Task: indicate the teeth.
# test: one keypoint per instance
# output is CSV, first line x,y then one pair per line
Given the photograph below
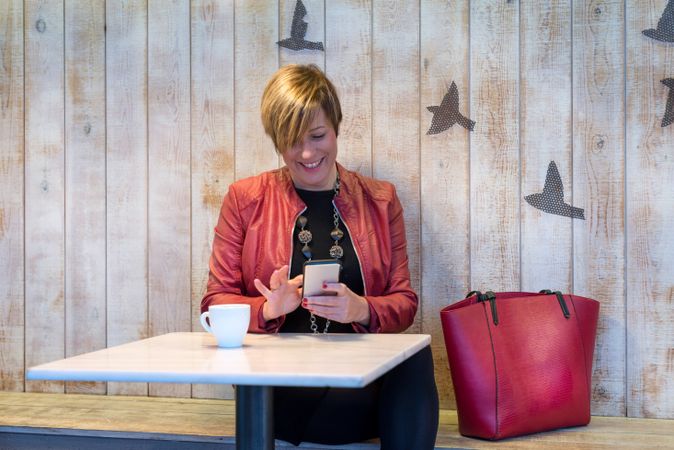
x,y
311,165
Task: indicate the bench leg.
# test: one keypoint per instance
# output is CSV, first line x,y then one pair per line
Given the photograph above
x,y
254,418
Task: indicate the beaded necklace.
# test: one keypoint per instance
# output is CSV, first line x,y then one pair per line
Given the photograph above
x,y
336,251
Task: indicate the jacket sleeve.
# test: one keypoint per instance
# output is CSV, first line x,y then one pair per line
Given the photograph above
x,y
394,309
225,280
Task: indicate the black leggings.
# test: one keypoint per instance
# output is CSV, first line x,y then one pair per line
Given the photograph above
x,y
400,407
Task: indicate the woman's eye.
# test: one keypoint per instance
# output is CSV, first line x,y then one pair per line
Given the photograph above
x,y
318,136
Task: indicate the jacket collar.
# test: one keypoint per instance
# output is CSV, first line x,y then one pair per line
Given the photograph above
x,y
348,186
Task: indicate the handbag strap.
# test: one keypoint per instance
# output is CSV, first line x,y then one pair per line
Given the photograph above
x,y
487,296
560,299
491,298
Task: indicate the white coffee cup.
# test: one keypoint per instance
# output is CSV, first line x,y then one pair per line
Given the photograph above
x,y
228,323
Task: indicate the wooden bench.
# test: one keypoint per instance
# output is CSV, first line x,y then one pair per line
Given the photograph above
x,y
73,421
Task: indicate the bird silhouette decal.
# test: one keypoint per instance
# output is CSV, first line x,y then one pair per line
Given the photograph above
x,y
298,30
665,29
668,118
447,114
551,200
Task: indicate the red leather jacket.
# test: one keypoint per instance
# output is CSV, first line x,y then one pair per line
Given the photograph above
x,y
254,234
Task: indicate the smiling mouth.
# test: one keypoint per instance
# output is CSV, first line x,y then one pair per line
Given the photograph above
x,y
312,165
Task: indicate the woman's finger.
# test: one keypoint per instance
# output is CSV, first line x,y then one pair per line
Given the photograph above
x,y
338,288
297,281
274,280
262,288
330,301
322,311
279,276
283,272
331,313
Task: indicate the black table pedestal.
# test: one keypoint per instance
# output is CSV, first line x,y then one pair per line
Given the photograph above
x,y
254,418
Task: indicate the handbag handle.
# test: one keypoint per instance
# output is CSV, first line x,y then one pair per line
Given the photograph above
x,y
560,299
491,297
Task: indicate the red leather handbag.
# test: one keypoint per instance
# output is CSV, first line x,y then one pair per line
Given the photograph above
x,y
520,362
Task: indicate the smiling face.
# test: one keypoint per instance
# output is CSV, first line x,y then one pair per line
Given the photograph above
x,y
312,160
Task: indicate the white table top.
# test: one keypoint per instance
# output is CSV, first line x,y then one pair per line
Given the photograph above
x,y
286,359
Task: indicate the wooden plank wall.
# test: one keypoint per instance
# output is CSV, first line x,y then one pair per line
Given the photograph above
x,y
12,158
212,140
169,165
545,135
126,178
395,112
122,123
599,185
444,168
44,191
85,240
649,175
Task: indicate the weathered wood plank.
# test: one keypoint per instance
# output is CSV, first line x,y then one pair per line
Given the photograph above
x,y
598,187
129,414
602,433
206,420
85,301
11,196
494,148
212,137
255,60
395,113
44,188
348,63
126,204
546,115
650,218
444,175
169,173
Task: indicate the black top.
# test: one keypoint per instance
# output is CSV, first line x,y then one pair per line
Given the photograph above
x,y
320,222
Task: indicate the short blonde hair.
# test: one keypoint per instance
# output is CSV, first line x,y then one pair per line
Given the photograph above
x,y
291,99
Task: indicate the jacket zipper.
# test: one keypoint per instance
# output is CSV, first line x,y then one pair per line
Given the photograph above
x,y
355,248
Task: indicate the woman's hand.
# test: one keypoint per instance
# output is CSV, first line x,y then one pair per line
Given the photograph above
x,y
283,295
344,307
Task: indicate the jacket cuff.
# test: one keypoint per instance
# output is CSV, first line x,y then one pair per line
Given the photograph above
x,y
373,327
268,326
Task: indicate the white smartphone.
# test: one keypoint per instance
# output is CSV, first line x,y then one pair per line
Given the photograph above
x,y
317,272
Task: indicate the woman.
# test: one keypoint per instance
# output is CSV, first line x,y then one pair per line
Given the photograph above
x,y
313,208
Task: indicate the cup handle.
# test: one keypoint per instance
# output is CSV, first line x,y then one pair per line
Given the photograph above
x,y
205,324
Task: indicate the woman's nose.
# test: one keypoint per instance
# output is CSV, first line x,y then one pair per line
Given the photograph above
x,y
307,150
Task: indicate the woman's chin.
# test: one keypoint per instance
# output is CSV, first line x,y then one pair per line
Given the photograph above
x,y
313,180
